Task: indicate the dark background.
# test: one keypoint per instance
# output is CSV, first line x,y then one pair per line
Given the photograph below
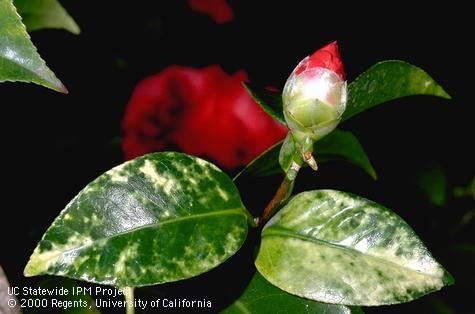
x,y
53,144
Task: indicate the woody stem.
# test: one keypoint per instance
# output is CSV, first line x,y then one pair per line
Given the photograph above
x,y
276,200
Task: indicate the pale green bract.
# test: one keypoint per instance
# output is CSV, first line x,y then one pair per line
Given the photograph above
x,y
336,247
338,145
158,218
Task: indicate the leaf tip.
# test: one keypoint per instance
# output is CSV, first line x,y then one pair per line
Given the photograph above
x,y
40,261
29,270
59,87
373,174
443,94
448,279
48,79
63,89
371,171
75,29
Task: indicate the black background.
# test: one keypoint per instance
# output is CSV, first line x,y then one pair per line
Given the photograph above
x,y
55,144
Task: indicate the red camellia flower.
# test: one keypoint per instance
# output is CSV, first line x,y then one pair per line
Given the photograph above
x,y
218,10
203,112
327,57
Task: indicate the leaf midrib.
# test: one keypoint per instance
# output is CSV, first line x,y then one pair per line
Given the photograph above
x,y
232,211
279,231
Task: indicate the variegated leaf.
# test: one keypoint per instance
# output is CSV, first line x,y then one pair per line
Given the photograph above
x,y
335,247
161,217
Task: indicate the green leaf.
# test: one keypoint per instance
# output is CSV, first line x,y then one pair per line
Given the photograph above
x,y
40,14
159,218
343,145
432,181
264,165
338,145
270,102
19,60
262,297
465,191
335,247
388,80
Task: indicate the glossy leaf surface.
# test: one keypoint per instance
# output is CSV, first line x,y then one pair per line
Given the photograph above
x,y
389,80
158,218
336,247
262,297
19,60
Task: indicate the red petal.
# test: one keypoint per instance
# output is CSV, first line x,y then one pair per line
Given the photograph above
x,y
327,57
203,112
219,10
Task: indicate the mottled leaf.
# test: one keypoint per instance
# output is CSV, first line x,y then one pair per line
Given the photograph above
x,y
40,14
270,102
335,247
338,145
388,80
262,297
19,60
161,217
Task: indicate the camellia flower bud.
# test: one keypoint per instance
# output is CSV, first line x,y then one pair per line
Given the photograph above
x,y
314,99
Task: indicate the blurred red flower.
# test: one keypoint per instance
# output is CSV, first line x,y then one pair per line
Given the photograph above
x,y
219,10
203,112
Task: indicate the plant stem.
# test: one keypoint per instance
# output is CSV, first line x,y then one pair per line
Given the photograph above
x,y
275,202
129,298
